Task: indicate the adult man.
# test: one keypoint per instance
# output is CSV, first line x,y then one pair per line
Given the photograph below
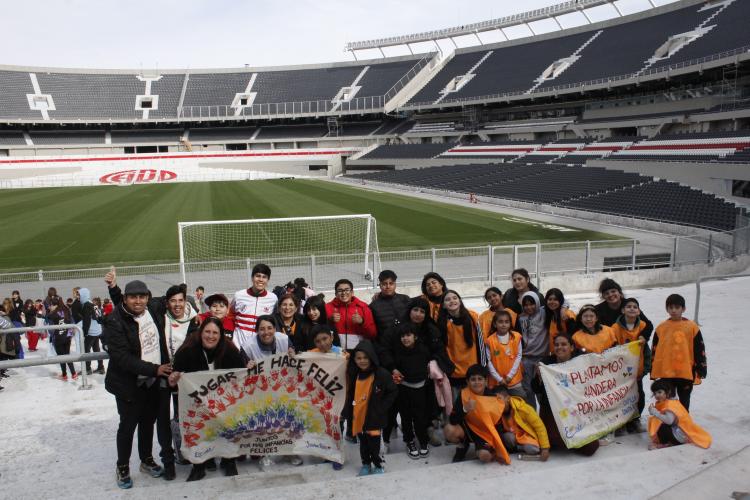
x,y
350,315
388,307
136,376
251,303
200,304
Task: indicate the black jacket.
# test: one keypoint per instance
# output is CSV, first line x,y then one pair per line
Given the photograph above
x,y
121,340
412,363
76,310
608,317
428,334
296,338
89,314
193,359
387,311
382,395
510,299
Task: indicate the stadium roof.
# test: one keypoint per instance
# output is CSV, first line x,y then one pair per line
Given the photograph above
x,y
550,12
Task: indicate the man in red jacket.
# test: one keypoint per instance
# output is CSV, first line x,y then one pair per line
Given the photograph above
x,y
351,316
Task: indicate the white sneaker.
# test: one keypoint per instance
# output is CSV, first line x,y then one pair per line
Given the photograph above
x,y
607,440
265,464
295,460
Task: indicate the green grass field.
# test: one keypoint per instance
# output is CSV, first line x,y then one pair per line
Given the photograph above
x,y
85,226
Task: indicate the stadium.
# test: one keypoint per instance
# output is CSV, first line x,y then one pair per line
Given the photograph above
x,y
616,148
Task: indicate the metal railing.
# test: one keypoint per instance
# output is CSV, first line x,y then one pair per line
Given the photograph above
x,y
581,85
54,360
698,282
401,83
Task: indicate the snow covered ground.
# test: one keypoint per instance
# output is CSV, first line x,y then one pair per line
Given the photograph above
x,y
59,442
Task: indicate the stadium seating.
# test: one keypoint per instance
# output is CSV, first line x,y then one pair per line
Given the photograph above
x,y
198,135
46,138
405,151
587,188
92,95
11,137
146,136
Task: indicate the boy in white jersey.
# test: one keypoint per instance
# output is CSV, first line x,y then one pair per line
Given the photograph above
x,y
249,304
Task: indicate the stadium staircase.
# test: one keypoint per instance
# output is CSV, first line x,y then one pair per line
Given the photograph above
x,y
422,78
461,80
558,67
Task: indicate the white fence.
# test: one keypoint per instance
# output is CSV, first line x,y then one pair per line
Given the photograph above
x,y
490,264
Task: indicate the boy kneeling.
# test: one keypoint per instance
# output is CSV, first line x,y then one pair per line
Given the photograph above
x,y
476,417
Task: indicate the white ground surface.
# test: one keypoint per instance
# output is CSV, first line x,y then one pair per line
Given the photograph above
x,y
59,442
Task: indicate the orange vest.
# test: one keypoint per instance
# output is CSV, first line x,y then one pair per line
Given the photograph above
x,y
484,418
598,342
502,357
625,336
459,353
434,308
362,390
673,354
485,320
697,435
565,314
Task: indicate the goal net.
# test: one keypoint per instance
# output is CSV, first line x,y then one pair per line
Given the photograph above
x,y
219,255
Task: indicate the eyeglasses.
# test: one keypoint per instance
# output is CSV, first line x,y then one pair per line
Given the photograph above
x,y
343,290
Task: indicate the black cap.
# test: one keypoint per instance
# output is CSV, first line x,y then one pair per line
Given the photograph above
x,y
136,287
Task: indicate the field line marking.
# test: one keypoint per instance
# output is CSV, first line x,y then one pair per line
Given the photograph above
x,y
65,248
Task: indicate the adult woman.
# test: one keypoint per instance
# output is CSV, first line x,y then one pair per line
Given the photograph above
x,y
266,341
563,350
463,339
521,285
29,316
206,349
289,320
59,314
494,298
559,319
592,336
433,290
611,307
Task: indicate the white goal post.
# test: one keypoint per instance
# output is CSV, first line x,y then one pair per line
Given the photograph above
x,y
342,245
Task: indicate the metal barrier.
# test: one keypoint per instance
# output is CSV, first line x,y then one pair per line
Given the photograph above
x,y
68,358
698,289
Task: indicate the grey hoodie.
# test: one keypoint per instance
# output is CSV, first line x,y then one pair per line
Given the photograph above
x,y
533,330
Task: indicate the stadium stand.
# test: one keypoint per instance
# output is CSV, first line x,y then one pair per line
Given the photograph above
x,y
168,88
588,188
92,95
12,138
145,136
198,135
40,138
405,151
14,86
292,131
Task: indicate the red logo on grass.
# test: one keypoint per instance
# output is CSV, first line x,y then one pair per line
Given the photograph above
x,y
142,176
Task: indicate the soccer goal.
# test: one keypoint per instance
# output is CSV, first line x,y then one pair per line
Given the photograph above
x,y
316,248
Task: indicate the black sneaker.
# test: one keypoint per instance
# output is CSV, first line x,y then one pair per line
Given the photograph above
x,y
229,466
122,474
210,464
460,454
411,450
169,472
150,467
88,371
423,451
197,472
100,370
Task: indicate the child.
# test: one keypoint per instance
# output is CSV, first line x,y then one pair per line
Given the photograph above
x,y
476,416
322,337
558,318
630,328
370,394
522,428
218,307
494,298
531,324
592,336
504,352
670,423
410,373
679,355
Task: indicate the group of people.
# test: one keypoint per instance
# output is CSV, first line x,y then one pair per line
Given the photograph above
x,y
82,309
423,363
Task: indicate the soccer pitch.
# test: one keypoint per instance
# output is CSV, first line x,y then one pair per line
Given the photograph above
x,y
85,226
